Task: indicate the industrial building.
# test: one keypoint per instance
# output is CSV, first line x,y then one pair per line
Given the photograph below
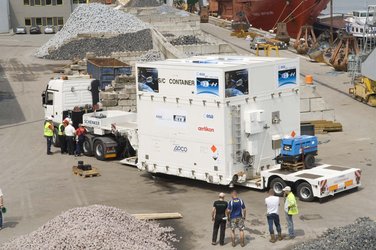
x,y
4,16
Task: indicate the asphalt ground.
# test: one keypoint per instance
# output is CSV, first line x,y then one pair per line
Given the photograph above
x,y
38,187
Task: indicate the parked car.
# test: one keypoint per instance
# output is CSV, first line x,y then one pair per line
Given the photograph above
x,y
21,30
257,41
35,30
49,30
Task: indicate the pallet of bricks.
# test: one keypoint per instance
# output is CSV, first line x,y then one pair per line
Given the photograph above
x,y
120,95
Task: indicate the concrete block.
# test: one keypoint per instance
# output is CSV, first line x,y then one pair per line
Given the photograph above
x,y
124,96
109,103
317,104
130,90
209,49
308,91
225,49
328,115
304,105
125,102
311,116
108,95
133,97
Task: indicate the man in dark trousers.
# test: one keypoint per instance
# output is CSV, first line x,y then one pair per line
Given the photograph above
x,y
219,219
62,139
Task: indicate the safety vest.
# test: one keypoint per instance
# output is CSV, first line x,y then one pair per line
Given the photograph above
x,y
291,201
47,130
60,131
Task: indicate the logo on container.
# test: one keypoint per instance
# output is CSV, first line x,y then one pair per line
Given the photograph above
x,y
205,129
209,116
179,118
181,149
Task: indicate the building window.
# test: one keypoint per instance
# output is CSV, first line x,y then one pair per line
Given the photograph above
x,y
48,2
37,2
60,21
27,21
59,2
38,21
49,20
26,2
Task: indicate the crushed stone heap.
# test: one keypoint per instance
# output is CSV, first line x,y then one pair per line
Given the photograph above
x,y
95,227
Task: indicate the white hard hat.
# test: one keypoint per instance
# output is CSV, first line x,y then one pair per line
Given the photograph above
x,y
287,188
48,118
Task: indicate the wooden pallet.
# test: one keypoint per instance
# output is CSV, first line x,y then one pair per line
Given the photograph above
x,y
85,173
324,126
293,166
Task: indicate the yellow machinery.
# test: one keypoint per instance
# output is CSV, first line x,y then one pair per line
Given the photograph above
x,y
364,90
267,49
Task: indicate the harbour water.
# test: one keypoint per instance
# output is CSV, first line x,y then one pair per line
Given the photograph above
x,y
347,6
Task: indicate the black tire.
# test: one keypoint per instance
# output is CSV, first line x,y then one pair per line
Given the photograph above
x,y
309,161
99,150
86,147
55,139
277,184
304,191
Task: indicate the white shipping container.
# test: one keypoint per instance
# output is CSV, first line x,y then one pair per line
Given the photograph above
x,y
211,118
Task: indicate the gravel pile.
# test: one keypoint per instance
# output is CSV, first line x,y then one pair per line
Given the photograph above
x,y
138,41
95,227
187,40
91,19
356,236
151,56
143,3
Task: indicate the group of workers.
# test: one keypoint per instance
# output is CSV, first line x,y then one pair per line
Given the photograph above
x,y
234,212
71,140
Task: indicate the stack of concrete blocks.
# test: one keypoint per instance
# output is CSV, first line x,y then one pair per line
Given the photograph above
x,y
76,68
312,106
121,95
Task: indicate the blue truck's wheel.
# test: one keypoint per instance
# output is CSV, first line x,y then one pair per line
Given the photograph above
x,y
309,161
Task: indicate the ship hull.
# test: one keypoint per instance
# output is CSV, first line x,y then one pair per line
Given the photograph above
x,y
265,14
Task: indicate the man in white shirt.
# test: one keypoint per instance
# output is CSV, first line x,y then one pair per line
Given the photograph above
x,y
1,206
272,207
70,132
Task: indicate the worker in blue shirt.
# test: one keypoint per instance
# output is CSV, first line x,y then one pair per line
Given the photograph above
x,y
236,214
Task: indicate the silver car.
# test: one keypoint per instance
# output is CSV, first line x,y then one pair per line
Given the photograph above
x,y
49,30
21,30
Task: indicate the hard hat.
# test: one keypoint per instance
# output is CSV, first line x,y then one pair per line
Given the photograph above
x,y
287,188
49,118
222,195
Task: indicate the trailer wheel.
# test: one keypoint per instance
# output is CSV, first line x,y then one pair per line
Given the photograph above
x,y
305,192
99,150
277,184
55,138
87,147
309,161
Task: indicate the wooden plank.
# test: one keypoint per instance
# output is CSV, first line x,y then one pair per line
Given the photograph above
x,y
158,216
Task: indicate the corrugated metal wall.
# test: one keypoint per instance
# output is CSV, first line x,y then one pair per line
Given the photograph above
x,y
4,16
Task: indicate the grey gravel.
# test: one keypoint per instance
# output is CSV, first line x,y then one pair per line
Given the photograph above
x,y
91,19
96,227
187,40
77,49
357,236
151,56
143,3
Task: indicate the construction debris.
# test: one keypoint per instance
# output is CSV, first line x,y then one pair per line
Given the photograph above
x,y
77,49
96,227
92,19
359,235
143,3
187,40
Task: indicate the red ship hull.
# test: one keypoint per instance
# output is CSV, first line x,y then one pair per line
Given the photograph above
x,y
265,14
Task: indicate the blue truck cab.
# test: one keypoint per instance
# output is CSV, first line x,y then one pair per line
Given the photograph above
x,y
298,149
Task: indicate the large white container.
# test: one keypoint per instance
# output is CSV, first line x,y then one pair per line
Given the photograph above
x,y
215,118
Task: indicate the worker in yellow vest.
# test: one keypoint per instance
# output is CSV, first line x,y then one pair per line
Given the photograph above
x,y
49,133
291,208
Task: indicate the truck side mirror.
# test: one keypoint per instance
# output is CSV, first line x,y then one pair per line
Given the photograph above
x,y
44,98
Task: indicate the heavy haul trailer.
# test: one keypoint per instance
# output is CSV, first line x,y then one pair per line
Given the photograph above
x,y
221,120
77,97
